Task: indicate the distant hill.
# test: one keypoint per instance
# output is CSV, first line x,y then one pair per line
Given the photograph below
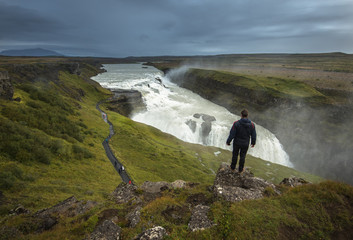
x,y
35,52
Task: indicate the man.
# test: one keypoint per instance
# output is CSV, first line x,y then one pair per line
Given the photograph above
x,y
241,132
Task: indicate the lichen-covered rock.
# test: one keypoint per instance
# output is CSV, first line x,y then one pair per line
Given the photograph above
x,y
108,230
293,181
134,217
46,218
155,187
233,186
226,177
199,219
125,193
234,194
156,233
70,207
19,210
178,184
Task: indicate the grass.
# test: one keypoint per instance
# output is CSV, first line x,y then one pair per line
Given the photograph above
x,y
51,143
317,211
151,155
277,87
329,62
77,165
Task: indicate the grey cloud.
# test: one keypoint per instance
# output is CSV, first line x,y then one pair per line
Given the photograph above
x,y
164,27
17,23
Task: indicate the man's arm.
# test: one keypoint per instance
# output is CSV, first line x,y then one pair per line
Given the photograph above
x,y
231,134
253,134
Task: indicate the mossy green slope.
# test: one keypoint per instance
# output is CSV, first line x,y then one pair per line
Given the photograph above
x,y
276,86
249,87
51,141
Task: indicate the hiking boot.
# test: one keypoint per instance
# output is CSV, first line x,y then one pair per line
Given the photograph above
x,y
233,170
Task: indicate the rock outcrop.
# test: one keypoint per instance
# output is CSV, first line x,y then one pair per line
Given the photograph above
x,y
192,125
126,102
136,203
125,193
134,217
46,218
70,207
293,182
155,187
199,219
19,209
6,88
108,230
233,186
156,233
206,125
178,184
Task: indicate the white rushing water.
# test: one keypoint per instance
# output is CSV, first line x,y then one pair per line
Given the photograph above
x,y
170,107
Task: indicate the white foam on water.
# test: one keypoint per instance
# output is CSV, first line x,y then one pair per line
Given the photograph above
x,y
169,107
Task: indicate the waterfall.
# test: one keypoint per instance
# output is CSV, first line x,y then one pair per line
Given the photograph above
x,y
184,114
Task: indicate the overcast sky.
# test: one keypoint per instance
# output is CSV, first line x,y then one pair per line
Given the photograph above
x,y
121,28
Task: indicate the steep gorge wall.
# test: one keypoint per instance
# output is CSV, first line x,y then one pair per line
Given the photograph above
x,y
39,71
6,89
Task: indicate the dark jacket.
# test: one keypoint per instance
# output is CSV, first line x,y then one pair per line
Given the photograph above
x,y
241,132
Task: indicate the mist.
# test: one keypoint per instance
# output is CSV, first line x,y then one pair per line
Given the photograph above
x,y
318,139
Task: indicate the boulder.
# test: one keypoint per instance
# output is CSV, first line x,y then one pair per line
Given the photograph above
x,y
19,210
70,207
178,184
134,217
125,193
234,194
125,102
108,230
206,128
293,181
233,186
155,187
197,115
191,124
208,118
156,233
205,117
46,218
199,219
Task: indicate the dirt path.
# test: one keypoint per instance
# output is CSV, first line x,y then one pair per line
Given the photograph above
x,y
117,165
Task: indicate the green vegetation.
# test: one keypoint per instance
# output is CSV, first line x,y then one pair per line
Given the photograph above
x,y
51,149
51,140
151,155
317,211
277,87
329,62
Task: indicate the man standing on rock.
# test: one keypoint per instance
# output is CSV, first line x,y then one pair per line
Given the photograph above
x,y
241,132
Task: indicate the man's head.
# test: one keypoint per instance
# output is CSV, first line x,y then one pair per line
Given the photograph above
x,y
244,113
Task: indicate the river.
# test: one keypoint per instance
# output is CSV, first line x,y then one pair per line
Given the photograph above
x,y
182,113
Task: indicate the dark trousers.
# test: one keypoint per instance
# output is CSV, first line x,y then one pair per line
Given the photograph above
x,y
236,150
